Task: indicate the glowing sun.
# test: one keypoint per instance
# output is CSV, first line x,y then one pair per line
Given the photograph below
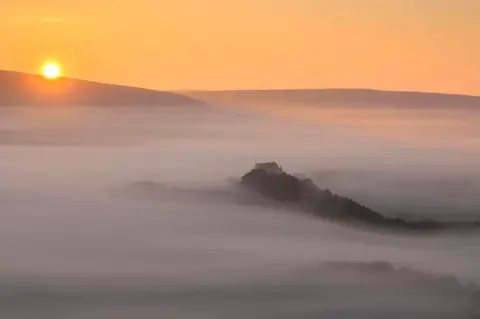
x,y
51,70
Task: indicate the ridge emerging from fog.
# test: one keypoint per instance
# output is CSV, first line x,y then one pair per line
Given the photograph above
x,y
271,181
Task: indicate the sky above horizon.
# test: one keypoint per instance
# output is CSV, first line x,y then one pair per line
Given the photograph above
x,y
424,45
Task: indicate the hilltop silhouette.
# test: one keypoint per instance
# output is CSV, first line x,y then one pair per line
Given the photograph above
x,y
21,89
271,181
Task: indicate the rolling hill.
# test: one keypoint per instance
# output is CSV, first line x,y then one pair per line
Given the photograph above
x,y
21,89
340,97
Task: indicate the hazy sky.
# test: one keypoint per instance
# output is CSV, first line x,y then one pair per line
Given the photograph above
x,y
428,45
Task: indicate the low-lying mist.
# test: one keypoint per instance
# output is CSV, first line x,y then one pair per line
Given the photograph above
x,y
74,247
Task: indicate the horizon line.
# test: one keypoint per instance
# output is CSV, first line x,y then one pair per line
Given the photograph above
x,y
184,91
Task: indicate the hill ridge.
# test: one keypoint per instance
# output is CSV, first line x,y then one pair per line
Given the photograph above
x,y
25,89
340,96
328,89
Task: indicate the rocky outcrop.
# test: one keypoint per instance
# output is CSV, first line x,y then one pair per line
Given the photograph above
x,y
271,181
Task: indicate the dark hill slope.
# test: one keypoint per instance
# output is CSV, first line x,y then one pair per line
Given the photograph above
x,y
20,89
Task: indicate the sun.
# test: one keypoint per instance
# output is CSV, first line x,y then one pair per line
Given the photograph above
x,y
51,70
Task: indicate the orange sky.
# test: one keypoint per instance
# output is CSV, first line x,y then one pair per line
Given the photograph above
x,y
425,45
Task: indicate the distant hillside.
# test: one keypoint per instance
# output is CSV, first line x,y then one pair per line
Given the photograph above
x,y
343,97
20,89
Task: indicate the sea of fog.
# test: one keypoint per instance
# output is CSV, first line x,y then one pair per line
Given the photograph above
x,y
74,244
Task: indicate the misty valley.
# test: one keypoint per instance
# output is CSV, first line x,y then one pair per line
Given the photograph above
x,y
136,211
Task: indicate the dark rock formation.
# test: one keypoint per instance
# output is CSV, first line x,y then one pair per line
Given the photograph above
x,y
271,181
